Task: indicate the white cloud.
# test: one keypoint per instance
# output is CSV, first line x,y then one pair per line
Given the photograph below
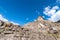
x,y
14,23
53,13
5,20
55,17
50,11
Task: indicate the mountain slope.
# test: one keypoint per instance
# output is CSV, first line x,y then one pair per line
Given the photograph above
x,y
38,30
43,25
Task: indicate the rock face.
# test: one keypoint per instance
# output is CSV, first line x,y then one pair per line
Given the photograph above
x,y
38,30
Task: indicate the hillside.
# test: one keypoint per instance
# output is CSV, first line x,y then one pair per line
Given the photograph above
x,y
38,30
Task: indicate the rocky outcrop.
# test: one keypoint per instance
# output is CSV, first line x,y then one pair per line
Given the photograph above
x,y
38,30
46,27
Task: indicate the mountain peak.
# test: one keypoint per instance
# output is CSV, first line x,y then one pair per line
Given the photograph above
x,y
39,30
40,18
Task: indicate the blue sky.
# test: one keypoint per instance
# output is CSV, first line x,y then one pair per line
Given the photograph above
x,y
23,11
